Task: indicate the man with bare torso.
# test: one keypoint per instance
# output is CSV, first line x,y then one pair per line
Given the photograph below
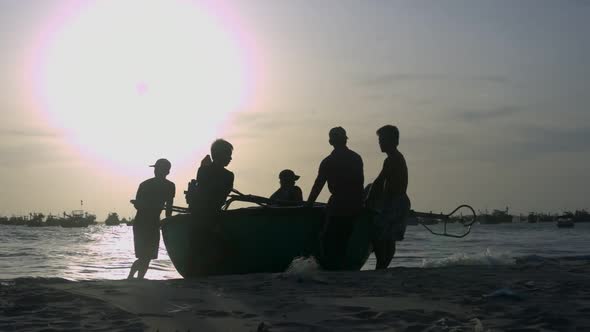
x,y
388,195
343,171
153,196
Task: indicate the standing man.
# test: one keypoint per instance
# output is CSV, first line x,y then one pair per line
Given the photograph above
x,y
388,194
343,170
153,196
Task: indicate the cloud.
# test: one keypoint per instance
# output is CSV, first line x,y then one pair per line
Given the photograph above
x,y
489,78
552,140
581,3
24,155
387,79
500,146
255,124
500,112
27,133
376,80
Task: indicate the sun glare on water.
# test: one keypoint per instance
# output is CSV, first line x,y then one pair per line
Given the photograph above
x,y
130,81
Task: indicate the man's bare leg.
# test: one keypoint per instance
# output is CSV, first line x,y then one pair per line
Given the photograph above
x,y
134,268
143,267
384,252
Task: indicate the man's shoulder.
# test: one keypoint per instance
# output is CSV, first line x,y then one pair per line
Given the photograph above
x,y
327,161
341,156
169,183
355,155
399,156
157,182
227,176
147,182
396,158
228,173
295,189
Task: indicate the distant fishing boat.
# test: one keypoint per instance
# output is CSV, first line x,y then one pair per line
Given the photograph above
x,y
112,219
565,223
53,220
16,221
78,218
496,217
36,220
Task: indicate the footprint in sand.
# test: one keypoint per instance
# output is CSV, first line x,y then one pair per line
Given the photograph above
x,y
114,292
348,308
368,314
241,314
213,313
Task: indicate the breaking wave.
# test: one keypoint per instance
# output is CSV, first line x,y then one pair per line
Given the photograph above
x,y
486,258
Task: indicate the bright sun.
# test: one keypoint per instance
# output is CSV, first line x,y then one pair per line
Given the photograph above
x,y
131,81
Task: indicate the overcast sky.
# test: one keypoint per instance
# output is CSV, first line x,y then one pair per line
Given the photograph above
x,y
492,100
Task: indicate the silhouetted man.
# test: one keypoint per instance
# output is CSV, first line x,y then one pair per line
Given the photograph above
x,y
388,194
214,181
153,196
343,170
288,192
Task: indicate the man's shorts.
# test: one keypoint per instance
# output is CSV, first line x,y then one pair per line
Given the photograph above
x,y
146,238
390,223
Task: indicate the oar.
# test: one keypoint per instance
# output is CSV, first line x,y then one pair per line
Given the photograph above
x,y
182,209
235,191
238,197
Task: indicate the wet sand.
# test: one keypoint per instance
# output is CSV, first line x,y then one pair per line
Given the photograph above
x,y
541,295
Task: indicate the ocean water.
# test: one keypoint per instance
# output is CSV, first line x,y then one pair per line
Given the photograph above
x,y
106,252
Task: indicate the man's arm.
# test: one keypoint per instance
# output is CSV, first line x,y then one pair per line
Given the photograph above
x,y
362,173
275,194
298,194
393,176
170,201
137,202
377,187
318,185
230,186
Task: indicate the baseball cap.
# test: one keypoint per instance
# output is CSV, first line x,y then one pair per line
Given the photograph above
x,y
288,174
338,132
162,163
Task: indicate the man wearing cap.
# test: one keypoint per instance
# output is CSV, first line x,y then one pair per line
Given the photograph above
x,y
343,171
288,192
153,196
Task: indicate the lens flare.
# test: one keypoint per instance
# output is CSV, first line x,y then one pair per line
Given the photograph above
x,y
131,81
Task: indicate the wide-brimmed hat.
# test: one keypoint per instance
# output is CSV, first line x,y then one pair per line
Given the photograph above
x,y
288,174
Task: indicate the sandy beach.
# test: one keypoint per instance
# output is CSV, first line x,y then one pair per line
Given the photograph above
x,y
537,295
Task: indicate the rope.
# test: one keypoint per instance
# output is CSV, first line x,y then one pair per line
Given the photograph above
x,y
446,218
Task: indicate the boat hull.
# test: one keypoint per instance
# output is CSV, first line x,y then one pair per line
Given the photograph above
x,y
565,223
112,223
255,240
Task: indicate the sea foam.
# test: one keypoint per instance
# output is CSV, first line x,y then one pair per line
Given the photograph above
x,y
485,258
303,266
304,269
